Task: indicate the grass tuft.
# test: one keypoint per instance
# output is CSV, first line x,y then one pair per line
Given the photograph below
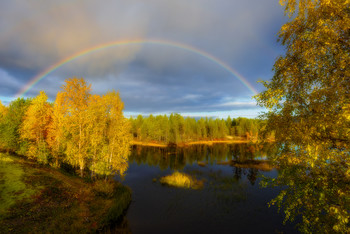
x,y
182,180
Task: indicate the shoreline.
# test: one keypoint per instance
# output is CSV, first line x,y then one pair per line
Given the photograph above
x,y
184,144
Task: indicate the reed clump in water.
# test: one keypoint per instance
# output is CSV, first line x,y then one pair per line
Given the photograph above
x,y
182,180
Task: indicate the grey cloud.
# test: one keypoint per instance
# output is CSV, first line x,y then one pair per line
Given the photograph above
x,y
47,31
7,83
36,34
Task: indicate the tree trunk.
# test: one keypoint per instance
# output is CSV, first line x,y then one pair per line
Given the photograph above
x,y
81,171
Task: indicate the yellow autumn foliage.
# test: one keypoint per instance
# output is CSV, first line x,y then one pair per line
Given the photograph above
x,y
308,102
35,127
87,131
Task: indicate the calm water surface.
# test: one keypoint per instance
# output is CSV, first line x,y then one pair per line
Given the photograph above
x,y
231,200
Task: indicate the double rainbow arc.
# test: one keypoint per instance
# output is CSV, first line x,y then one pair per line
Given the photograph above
x,y
178,45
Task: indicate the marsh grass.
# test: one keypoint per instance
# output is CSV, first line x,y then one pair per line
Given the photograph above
x,y
41,199
182,180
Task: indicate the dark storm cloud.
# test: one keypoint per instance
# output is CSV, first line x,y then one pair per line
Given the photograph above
x,y
151,78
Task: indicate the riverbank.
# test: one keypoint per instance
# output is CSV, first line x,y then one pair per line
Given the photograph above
x,y
36,199
184,144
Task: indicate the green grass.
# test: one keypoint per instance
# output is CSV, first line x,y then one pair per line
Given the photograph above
x,y
12,187
40,199
182,180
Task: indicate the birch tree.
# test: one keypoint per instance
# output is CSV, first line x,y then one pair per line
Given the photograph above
x,y
35,127
76,96
308,100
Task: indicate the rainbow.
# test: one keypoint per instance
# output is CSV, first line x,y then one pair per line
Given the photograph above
x,y
178,45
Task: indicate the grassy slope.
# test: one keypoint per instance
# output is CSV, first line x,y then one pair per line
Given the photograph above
x,y
35,199
12,188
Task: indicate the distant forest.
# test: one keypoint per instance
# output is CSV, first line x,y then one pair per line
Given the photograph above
x,y
176,129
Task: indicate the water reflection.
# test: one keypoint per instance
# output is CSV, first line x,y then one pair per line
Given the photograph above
x,y
231,199
245,159
176,158
317,197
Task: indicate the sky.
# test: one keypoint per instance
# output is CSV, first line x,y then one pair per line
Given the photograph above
x,y
193,57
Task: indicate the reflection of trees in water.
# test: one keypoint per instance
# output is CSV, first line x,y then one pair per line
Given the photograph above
x,y
251,174
237,173
178,157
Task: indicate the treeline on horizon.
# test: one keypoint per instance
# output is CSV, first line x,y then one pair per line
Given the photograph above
x,y
85,131
176,129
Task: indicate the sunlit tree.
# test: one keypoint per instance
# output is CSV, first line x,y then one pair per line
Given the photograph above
x,y
202,128
76,96
10,126
118,134
55,138
97,129
308,100
34,127
3,113
165,128
138,124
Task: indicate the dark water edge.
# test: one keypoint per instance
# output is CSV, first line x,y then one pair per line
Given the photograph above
x,y
230,202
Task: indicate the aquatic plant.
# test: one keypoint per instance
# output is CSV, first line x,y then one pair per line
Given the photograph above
x,y
178,179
